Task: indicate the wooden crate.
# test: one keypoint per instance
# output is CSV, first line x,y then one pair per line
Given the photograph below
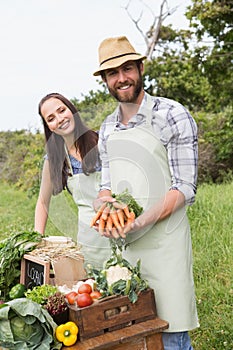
x,y
113,313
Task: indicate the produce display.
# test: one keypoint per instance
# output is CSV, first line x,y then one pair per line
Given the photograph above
x,y
118,214
30,317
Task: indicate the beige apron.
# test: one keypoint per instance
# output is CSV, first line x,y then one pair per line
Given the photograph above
x,y
84,189
138,161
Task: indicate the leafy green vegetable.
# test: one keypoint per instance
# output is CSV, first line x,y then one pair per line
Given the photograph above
x,y
126,198
26,325
22,331
56,304
49,297
118,276
12,250
40,294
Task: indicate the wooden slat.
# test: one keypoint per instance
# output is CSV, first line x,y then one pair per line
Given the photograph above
x,y
146,334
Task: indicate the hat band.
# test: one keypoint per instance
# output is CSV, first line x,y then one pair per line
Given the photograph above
x,y
124,54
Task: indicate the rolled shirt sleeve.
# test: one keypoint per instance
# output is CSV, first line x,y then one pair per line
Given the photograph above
x,y
178,133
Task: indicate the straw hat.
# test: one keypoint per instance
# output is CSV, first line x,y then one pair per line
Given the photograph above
x,y
113,52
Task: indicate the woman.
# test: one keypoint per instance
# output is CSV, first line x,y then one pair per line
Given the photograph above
x,y
72,163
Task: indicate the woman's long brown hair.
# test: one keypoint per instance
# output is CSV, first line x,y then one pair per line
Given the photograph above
x,y
86,141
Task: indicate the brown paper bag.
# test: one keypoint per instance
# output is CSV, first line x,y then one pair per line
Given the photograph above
x,y
68,271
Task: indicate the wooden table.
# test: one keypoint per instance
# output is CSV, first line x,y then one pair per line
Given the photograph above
x,y
141,336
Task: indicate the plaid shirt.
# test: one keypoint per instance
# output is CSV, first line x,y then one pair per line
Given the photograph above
x,y
175,128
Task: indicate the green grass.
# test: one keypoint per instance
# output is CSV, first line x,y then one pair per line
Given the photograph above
x,y
16,210
211,222
212,231
17,213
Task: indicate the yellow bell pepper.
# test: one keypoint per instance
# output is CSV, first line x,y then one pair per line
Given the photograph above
x,y
67,333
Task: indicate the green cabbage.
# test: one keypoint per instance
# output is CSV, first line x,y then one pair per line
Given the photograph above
x,y
26,325
24,332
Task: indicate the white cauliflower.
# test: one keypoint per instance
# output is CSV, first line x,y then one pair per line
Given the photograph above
x,y
116,273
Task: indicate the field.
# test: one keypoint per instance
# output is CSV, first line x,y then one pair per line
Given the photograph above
x,y
211,222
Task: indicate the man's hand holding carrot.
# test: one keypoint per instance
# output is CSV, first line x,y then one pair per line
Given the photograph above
x,y
115,214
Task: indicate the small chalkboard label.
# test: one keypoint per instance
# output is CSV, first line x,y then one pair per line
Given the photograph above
x,y
34,271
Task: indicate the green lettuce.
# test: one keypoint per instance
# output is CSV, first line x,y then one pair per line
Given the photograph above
x,y
26,325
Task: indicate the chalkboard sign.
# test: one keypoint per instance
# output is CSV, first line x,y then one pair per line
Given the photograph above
x,y
34,271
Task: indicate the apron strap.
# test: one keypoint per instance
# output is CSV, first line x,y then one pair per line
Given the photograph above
x,y
68,159
148,109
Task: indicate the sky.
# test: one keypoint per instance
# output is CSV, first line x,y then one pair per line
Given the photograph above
x,y
52,46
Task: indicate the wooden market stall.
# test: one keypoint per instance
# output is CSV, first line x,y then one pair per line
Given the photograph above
x,y
113,323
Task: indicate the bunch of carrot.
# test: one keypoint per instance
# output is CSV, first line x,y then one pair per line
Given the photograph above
x,y
118,214
112,216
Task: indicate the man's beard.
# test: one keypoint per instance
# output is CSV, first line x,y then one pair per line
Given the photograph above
x,y
129,98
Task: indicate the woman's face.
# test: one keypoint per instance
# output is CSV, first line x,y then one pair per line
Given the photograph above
x,y
58,117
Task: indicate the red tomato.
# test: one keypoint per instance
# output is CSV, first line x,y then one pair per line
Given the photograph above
x,y
84,299
71,297
95,295
85,288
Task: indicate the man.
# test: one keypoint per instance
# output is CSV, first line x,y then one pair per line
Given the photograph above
x,y
149,145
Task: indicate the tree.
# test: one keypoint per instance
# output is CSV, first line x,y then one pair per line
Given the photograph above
x,y
177,73
172,69
212,21
152,35
95,106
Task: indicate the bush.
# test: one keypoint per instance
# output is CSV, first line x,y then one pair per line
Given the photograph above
x,y
215,145
21,152
21,158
